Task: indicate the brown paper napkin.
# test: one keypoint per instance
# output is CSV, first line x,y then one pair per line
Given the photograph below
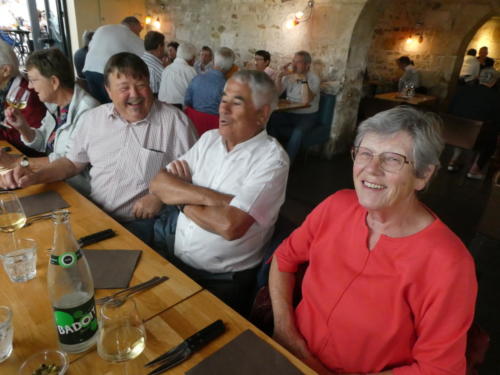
x,y
112,269
41,203
247,354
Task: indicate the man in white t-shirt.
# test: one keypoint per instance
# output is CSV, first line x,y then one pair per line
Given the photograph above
x,y
301,86
229,186
176,77
470,68
107,41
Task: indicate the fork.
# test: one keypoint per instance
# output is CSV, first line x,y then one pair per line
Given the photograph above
x,y
132,290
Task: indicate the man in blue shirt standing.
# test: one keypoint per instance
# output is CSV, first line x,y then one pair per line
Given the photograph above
x,y
204,93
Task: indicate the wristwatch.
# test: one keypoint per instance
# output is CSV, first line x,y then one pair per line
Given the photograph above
x,y
25,162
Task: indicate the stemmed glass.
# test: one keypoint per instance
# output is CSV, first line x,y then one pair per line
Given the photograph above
x,y
17,97
122,335
12,216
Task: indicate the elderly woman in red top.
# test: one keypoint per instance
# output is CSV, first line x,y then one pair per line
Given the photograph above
x,y
389,289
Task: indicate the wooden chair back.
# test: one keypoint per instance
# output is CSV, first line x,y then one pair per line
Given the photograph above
x,y
460,132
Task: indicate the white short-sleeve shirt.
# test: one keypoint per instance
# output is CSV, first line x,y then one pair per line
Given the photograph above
x,y
255,172
294,91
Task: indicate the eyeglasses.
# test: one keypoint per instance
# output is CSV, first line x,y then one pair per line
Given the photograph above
x,y
389,161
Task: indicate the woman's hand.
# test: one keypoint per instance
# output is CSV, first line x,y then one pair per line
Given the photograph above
x,y
15,119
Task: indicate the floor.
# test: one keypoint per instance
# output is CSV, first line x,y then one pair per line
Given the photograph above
x,y
459,202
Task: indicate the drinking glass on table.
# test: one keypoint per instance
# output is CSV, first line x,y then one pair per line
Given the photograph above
x,y
12,216
19,259
122,335
6,332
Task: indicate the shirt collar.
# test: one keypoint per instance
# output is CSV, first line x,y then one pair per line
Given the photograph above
x,y
179,60
152,56
248,145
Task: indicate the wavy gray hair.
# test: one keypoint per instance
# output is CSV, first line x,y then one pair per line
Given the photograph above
x,y
8,57
224,59
262,87
186,51
424,128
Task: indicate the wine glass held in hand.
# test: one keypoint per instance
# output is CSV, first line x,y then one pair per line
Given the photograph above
x,y
122,335
18,97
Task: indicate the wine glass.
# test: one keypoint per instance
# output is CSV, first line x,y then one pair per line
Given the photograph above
x,y
17,97
12,216
122,335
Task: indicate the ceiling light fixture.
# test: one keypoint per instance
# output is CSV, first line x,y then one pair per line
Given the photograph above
x,y
301,16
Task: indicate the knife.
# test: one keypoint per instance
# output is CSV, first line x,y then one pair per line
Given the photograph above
x,y
184,350
96,237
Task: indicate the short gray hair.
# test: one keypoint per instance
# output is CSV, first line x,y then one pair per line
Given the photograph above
x,y
8,57
224,59
262,87
424,128
488,76
306,55
186,51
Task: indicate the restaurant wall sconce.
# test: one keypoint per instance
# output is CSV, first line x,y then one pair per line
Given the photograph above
x,y
148,20
301,16
157,23
417,34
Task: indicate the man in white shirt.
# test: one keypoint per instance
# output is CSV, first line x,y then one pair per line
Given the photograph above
x,y
470,68
176,77
301,86
154,43
230,187
107,41
126,143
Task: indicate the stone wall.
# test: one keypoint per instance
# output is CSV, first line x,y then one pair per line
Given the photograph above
x,y
440,30
489,35
340,35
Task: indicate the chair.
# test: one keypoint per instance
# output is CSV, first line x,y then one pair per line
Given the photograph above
x,y
320,134
371,106
202,121
460,132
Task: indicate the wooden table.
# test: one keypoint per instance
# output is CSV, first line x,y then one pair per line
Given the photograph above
x,y
173,326
34,327
418,99
285,105
172,311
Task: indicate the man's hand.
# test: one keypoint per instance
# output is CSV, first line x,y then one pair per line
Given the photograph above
x,y
18,177
180,169
147,207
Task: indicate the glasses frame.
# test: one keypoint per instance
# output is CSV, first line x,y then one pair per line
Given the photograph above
x,y
355,149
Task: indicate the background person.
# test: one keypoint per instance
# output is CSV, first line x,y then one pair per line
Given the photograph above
x,y
410,77
389,289
107,41
205,63
262,60
154,44
81,53
470,68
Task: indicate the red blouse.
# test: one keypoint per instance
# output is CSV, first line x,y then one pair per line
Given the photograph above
x,y
405,305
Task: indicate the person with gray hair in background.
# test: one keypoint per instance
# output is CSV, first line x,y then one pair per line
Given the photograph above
x,y
204,93
389,288
478,102
10,80
176,77
107,41
229,186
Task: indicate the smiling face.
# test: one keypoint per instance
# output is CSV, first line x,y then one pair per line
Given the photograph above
x,y
239,120
132,97
381,191
46,88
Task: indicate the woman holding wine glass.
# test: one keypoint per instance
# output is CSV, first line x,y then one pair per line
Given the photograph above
x,y
51,75
14,85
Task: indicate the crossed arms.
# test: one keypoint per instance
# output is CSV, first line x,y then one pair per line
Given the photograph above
x,y
209,209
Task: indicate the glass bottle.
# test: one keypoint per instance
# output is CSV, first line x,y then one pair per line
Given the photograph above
x,y
71,289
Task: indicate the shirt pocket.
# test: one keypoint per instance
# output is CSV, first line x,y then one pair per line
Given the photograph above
x,y
149,163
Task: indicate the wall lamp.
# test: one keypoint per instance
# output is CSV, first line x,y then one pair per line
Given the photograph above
x,y
301,16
